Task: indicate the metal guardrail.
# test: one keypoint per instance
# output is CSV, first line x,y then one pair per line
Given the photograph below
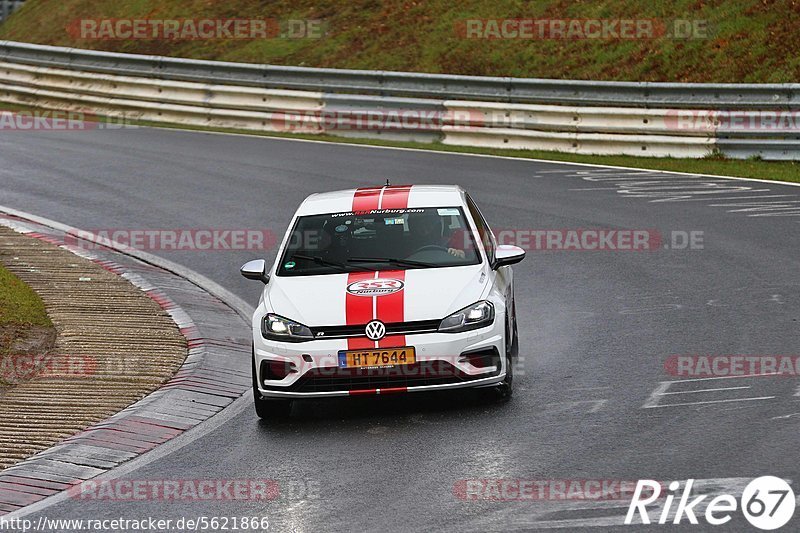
x,y
406,84
591,117
9,6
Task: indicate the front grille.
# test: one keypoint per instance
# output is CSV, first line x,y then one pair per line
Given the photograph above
x,y
396,328
415,375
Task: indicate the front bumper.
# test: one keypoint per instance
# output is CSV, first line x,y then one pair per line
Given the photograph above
x,y
484,382
440,366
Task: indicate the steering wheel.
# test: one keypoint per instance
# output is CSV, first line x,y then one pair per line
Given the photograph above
x,y
429,247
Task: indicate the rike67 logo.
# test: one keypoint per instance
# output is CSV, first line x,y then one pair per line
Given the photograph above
x,y
767,502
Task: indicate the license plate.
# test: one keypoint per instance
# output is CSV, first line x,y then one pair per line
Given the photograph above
x,y
377,357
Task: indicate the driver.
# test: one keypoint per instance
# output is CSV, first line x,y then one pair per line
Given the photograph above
x,y
426,229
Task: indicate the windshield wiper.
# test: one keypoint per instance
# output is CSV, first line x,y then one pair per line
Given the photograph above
x,y
324,262
391,260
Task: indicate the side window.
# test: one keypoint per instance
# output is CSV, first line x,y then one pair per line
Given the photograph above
x,y
484,232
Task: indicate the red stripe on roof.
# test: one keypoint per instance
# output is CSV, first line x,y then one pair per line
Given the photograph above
x,y
366,199
395,197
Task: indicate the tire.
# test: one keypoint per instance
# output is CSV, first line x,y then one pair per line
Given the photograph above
x,y
505,388
514,349
268,409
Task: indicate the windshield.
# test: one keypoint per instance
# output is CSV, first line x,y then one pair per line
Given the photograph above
x,y
381,239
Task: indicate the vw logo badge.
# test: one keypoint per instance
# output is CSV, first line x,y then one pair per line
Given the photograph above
x,y
376,330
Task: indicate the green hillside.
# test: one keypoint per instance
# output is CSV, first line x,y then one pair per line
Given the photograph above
x,y
745,41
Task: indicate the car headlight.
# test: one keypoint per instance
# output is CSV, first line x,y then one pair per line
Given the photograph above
x,y
277,328
477,315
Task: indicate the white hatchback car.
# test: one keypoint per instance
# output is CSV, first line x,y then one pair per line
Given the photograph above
x,y
384,290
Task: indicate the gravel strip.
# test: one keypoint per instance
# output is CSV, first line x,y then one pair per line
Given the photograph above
x,y
115,345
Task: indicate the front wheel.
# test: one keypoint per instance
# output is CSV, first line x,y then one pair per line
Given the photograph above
x,y
268,409
506,387
503,391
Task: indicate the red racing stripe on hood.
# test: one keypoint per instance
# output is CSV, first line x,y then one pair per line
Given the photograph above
x,y
391,308
358,311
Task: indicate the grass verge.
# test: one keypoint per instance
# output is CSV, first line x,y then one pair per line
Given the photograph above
x,y
730,41
19,304
24,325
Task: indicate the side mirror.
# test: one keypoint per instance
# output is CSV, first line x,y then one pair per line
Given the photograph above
x,y
256,269
505,255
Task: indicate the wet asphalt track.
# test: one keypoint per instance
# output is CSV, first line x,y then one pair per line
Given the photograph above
x,y
596,328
